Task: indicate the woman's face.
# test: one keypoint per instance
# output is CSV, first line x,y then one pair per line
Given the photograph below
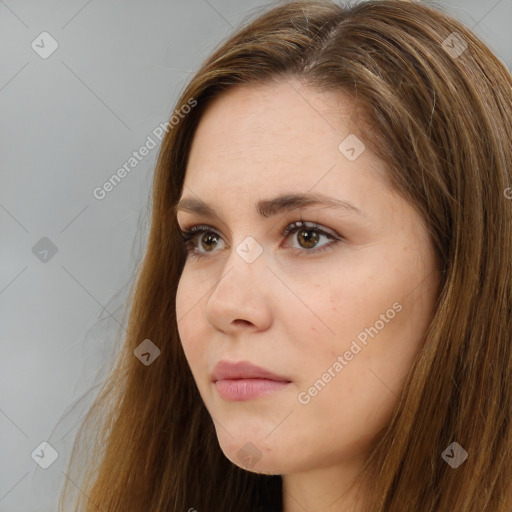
x,y
340,316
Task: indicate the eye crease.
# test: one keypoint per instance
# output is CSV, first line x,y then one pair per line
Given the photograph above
x,y
312,231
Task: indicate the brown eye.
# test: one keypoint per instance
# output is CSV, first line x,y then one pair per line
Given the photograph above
x,y
308,238
208,239
309,235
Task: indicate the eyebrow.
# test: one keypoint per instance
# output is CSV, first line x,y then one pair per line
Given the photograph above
x,y
275,206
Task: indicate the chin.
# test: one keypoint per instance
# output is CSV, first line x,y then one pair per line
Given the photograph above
x,y
259,456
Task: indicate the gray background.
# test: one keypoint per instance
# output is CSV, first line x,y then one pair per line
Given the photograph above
x,y
67,123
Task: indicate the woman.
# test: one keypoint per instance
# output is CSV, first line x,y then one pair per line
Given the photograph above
x,y
324,307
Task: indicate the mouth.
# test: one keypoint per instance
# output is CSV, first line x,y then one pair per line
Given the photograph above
x,y
248,389
244,380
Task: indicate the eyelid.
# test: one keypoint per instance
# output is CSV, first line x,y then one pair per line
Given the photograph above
x,y
286,230
191,232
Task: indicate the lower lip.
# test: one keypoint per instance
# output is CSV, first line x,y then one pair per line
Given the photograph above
x,y
246,389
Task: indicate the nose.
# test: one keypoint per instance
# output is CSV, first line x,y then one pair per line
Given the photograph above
x,y
242,296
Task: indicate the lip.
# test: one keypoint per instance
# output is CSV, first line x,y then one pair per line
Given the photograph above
x,y
226,370
247,389
245,381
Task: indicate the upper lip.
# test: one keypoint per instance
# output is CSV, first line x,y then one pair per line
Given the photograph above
x,y
242,370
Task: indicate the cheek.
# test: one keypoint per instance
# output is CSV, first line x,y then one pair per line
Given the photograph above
x,y
340,307
369,317
181,297
193,329
187,308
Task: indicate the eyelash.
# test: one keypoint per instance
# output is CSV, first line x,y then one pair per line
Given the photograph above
x,y
190,233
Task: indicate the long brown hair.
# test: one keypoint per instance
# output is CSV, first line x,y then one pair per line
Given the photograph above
x,y
435,104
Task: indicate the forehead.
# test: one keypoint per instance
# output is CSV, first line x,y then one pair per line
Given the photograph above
x,y
284,129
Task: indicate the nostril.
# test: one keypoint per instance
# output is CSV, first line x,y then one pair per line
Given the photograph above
x,y
239,321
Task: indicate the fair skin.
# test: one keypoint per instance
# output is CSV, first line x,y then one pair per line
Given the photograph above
x,y
293,311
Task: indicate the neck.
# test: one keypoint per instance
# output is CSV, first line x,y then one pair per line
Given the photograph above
x,y
326,489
